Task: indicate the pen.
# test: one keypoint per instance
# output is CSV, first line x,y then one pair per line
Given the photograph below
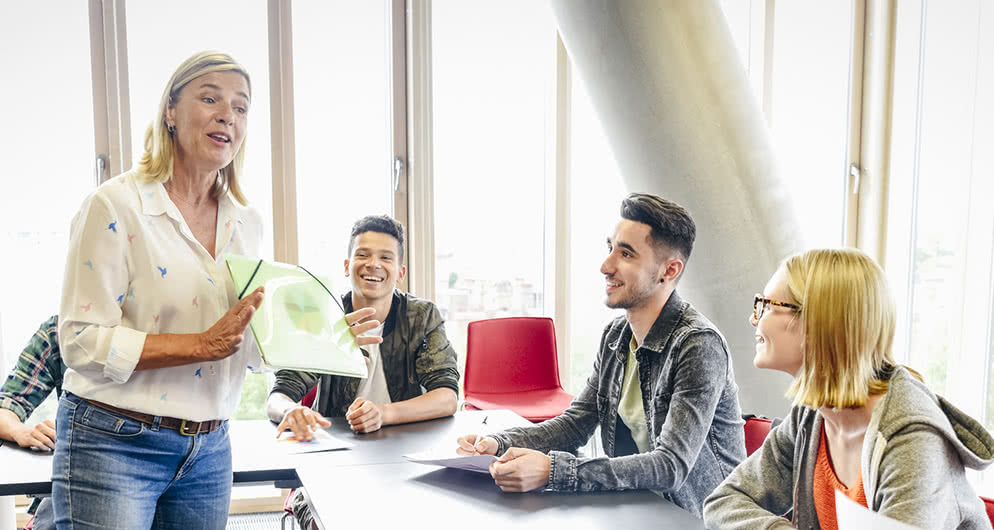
x,y
484,422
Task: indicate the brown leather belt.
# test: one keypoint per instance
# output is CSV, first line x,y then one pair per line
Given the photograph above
x,y
185,427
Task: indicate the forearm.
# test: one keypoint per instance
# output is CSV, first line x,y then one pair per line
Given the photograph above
x,y
277,405
9,424
437,403
566,432
170,349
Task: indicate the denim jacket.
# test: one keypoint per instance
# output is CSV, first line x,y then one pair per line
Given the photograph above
x,y
417,358
691,407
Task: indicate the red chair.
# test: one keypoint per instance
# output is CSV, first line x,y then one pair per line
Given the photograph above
x,y
756,429
511,363
308,400
989,504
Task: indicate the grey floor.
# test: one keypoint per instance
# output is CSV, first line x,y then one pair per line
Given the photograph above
x,y
258,521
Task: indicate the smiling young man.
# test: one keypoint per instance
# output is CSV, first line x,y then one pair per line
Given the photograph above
x,y
662,390
412,372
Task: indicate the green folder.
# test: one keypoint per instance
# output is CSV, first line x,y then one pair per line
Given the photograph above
x,y
300,324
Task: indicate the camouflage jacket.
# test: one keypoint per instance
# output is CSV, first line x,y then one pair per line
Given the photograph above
x,y
417,358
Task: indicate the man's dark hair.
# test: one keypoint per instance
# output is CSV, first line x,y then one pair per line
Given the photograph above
x,y
671,224
383,224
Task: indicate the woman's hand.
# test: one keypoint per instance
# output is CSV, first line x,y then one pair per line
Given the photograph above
x,y
226,335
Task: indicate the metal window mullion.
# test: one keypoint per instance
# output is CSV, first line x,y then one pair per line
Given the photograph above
x,y
420,200
109,68
282,123
558,207
851,169
397,46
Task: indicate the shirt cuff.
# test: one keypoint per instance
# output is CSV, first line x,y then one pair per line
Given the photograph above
x,y
126,347
562,471
11,404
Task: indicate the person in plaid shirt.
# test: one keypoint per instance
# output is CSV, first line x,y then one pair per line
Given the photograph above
x,y
38,372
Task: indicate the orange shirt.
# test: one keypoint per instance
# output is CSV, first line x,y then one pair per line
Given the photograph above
x,y
825,484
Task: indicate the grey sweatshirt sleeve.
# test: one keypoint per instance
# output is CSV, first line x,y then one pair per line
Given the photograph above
x,y
761,487
914,479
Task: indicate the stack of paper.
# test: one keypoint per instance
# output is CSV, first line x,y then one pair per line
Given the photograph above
x,y
449,458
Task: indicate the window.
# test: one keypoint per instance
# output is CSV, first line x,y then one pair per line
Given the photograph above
x,y
341,89
490,81
808,103
48,117
941,212
235,27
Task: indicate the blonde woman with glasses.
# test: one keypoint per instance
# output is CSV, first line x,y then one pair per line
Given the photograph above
x,y
860,423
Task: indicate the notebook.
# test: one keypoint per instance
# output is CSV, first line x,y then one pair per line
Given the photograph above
x,y
301,323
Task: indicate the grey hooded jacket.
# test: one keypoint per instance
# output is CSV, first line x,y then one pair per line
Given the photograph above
x,y
691,407
915,452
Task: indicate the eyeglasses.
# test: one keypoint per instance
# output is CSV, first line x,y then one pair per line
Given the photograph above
x,y
760,303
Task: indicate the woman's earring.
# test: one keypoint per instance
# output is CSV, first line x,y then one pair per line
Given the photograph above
x,y
171,129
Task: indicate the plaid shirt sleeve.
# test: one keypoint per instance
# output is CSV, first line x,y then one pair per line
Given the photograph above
x,y
38,372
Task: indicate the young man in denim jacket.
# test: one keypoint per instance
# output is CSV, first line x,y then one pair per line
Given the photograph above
x,y
662,391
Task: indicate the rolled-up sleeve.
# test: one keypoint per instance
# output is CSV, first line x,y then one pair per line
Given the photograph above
x,y
92,338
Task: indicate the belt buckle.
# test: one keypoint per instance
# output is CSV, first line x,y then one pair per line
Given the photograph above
x,y
184,432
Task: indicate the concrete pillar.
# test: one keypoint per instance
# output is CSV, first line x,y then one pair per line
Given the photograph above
x,y
677,109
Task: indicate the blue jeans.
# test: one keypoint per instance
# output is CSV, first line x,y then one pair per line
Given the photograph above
x,y
109,471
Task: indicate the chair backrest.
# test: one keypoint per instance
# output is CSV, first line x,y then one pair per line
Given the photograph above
x,y
511,355
308,400
756,430
989,504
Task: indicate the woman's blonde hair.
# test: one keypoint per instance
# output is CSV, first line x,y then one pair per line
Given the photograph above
x,y
848,319
156,165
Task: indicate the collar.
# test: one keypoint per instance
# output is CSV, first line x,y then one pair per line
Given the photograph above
x,y
153,197
155,200
391,321
661,331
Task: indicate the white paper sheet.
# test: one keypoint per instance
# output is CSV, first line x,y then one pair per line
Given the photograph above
x,y
851,515
322,441
447,457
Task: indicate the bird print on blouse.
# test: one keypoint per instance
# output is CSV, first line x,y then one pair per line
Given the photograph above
x,y
131,293
195,302
211,280
89,264
120,299
131,238
198,374
86,308
112,226
163,396
162,271
156,318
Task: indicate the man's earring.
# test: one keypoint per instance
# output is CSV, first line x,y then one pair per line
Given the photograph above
x,y
171,129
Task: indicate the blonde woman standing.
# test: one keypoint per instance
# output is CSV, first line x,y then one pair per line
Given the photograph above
x,y
860,423
150,326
